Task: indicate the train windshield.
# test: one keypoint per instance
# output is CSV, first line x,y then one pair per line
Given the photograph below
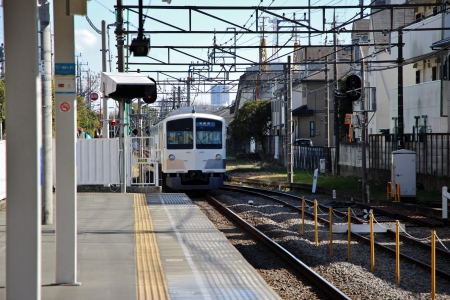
x,y
208,133
180,133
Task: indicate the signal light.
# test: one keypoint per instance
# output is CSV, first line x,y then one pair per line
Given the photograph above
x,y
140,46
113,122
353,87
151,97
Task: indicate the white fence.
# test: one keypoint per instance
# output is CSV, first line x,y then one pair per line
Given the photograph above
x,y
2,169
98,161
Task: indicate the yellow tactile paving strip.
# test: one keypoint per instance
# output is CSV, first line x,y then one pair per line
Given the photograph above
x,y
151,283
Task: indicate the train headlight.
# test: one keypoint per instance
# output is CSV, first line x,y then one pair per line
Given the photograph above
x,y
171,157
218,156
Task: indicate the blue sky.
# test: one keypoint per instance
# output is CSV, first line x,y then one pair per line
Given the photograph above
x,y
88,41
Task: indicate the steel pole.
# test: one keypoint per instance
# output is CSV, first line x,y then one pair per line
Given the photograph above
x,y
121,68
105,131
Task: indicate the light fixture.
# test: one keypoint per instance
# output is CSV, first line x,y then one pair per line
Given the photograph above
x,y
171,157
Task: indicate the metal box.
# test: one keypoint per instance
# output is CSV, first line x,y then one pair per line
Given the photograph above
x,y
403,172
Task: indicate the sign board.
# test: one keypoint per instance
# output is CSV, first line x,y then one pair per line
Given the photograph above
x,y
64,69
316,172
64,107
77,7
93,96
140,160
65,78
65,85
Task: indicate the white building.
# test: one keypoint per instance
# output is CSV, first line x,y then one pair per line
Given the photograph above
x,y
220,95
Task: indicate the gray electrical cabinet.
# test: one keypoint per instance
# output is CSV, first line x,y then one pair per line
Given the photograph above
x,y
403,172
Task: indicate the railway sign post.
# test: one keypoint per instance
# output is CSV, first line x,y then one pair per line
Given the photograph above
x,y
93,96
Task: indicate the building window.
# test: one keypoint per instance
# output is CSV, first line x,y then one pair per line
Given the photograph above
x,y
417,76
311,129
434,73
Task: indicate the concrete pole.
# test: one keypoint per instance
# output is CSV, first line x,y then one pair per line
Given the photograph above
x,y
363,133
66,125
105,133
289,124
336,135
47,130
23,163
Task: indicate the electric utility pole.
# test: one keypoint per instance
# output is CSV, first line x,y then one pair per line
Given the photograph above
x,y
401,124
289,122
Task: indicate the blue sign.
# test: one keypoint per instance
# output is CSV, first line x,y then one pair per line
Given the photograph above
x,y
65,69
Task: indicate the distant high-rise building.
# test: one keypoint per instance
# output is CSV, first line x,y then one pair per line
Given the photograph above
x,y
220,95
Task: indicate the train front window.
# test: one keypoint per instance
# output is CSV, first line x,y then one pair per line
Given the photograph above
x,y
179,134
208,134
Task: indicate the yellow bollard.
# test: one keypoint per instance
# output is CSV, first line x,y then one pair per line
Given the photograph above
x,y
372,243
433,264
331,231
303,215
316,228
397,253
397,192
349,233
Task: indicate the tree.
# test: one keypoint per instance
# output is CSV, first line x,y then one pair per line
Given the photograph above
x,y
89,83
251,122
86,118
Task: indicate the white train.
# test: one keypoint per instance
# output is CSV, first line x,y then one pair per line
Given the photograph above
x,y
192,144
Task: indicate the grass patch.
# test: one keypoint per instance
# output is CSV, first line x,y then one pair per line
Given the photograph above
x,y
256,169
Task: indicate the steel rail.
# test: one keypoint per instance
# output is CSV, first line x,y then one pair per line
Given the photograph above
x,y
325,221
318,280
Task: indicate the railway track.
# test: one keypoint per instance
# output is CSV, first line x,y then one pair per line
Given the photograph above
x,y
443,255
322,284
279,222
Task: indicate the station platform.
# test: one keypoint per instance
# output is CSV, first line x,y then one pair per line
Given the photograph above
x,y
145,246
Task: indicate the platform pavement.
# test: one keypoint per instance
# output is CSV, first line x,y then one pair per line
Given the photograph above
x,y
106,261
